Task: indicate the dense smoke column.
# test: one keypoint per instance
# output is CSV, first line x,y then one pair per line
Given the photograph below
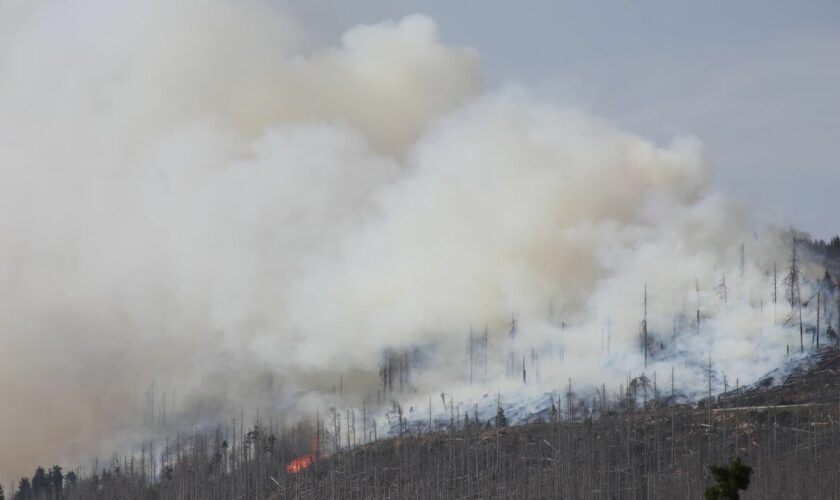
x,y
205,202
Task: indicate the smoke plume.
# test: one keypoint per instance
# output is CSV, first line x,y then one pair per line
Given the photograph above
x,y
194,195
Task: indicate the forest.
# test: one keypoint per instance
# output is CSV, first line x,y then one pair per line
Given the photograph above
x,y
639,440
658,450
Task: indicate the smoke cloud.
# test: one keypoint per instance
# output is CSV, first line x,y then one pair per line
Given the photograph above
x,y
193,196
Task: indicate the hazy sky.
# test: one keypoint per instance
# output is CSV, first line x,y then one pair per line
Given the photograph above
x,y
756,81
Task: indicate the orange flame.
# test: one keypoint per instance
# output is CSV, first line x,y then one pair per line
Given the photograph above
x,y
304,461
300,463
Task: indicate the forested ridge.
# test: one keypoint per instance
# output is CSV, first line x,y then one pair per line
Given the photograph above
x,y
636,441
654,450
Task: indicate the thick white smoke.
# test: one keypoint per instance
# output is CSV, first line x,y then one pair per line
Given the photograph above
x,y
193,195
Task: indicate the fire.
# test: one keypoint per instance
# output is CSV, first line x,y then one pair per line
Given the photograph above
x,y
300,463
304,461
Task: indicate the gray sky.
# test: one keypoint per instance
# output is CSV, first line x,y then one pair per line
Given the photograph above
x,y
756,81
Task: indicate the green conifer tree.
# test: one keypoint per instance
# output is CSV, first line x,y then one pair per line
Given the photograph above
x,y
730,479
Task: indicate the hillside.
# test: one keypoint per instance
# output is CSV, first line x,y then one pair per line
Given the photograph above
x,y
788,430
789,433
635,442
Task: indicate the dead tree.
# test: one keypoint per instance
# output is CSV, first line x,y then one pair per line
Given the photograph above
x,y
775,293
511,364
742,277
793,285
484,347
819,295
644,327
710,401
472,354
697,290
792,279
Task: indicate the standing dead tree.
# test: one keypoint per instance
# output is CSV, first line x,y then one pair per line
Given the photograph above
x,y
792,283
645,327
697,291
775,293
722,292
742,275
819,297
511,361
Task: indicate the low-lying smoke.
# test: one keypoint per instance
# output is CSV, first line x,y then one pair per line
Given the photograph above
x,y
192,197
